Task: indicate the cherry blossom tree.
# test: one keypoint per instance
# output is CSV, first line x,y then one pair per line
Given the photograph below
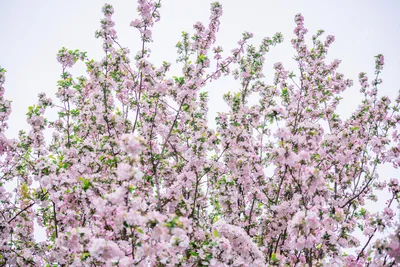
x,y
134,176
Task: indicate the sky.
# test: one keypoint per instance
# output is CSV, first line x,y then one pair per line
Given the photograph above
x,y
31,33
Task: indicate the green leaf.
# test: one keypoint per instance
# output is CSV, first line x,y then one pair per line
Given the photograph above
x,y
193,253
86,183
363,212
131,188
201,58
215,233
85,255
185,107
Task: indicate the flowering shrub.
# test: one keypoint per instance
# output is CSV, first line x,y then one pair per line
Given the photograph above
x,y
134,176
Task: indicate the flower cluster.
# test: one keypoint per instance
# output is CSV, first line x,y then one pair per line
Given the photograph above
x,y
134,176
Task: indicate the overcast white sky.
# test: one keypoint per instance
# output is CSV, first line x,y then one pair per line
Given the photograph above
x,y
31,33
